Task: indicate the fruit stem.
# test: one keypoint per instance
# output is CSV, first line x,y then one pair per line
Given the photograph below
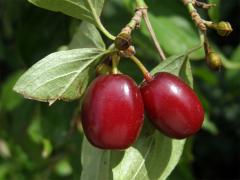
x,y
202,39
141,5
105,31
145,72
207,47
115,62
153,35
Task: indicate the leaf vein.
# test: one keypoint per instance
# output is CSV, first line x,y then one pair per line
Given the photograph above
x,y
57,77
74,77
53,67
144,159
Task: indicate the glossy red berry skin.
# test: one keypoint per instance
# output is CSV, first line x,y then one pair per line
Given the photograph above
x,y
172,106
112,112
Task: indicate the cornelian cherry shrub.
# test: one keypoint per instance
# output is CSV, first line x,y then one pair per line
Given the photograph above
x,y
128,125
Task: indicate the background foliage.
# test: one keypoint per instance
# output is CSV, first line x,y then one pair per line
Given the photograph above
x,y
42,142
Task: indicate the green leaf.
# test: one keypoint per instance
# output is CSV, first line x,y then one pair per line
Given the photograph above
x,y
214,13
178,65
54,125
186,72
5,170
175,34
147,50
151,157
234,63
182,170
87,36
4,149
9,99
172,64
236,54
63,168
88,10
230,64
95,162
206,75
61,75
47,148
209,125
34,129
36,134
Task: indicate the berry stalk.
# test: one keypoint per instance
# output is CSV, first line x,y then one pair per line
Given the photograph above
x,y
145,72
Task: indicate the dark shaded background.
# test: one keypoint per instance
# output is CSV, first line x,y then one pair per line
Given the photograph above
x,y
40,142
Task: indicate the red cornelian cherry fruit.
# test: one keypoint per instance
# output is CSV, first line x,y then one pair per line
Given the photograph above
x,y
172,106
112,112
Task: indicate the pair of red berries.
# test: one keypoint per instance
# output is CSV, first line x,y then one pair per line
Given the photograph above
x,y
113,109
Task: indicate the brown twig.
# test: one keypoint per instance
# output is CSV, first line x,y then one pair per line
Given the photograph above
x,y
141,12
194,14
135,21
153,35
204,5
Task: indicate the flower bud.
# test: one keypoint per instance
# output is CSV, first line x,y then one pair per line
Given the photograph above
x,y
214,61
224,28
123,41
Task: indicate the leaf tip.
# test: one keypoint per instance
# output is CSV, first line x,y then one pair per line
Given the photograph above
x,y
15,88
50,102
